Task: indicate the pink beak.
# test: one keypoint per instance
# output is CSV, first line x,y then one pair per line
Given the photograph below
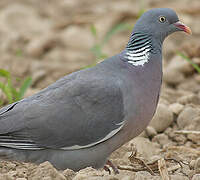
x,y
183,27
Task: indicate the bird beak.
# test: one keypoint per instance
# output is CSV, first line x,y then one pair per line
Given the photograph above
x,y
183,27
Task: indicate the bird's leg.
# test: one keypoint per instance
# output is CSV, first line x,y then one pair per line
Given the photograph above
x,y
109,163
107,169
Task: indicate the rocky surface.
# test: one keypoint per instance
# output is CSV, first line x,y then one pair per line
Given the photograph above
x,y
49,39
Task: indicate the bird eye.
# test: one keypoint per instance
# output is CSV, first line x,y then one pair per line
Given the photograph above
x,y
162,19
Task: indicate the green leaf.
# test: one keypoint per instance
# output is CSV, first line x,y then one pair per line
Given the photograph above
x,y
196,67
13,91
141,12
8,94
4,73
97,51
93,30
1,86
1,102
6,91
26,84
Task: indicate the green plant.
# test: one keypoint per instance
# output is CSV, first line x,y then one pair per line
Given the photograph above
x,y
13,94
97,49
196,67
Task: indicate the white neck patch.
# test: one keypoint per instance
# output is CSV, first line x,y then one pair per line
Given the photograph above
x,y
139,57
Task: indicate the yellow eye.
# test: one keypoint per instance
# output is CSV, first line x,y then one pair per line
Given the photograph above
x,y
162,19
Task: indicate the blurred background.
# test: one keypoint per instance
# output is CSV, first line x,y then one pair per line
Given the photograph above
x,y
43,40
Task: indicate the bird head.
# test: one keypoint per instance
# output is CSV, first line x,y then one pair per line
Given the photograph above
x,y
159,23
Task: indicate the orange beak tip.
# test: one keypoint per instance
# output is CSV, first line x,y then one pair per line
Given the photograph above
x,y
183,27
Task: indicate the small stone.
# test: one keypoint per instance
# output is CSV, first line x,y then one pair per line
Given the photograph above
x,y
193,137
161,139
46,170
197,165
154,158
179,138
196,60
11,166
189,99
176,108
178,177
187,116
189,84
192,164
188,144
197,78
127,178
169,131
6,177
150,131
12,173
88,173
144,175
196,177
144,147
174,72
69,174
179,64
162,118
173,77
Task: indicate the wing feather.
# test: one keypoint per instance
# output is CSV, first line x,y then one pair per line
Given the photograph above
x,y
77,111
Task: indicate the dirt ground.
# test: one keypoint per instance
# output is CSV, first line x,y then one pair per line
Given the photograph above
x,y
47,39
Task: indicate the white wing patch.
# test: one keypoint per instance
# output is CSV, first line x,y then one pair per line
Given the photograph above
x,y
108,136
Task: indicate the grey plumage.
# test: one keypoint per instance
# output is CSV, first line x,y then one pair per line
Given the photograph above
x,y
82,118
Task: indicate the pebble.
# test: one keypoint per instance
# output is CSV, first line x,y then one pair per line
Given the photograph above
x,y
189,84
189,99
180,139
196,177
193,137
197,78
47,170
176,108
150,131
161,139
144,175
197,165
178,177
162,118
88,173
187,116
192,164
172,77
176,69
145,147
69,174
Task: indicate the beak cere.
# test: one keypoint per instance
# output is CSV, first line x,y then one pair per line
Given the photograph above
x,y
183,27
